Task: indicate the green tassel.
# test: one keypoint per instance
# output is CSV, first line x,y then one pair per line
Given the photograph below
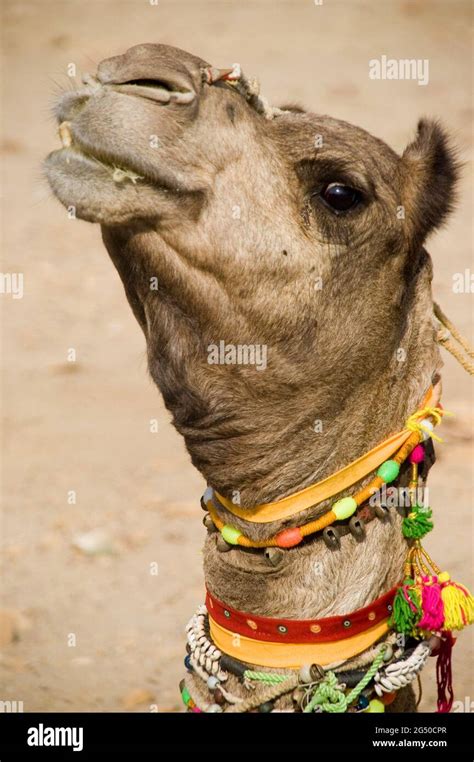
x,y
417,523
406,613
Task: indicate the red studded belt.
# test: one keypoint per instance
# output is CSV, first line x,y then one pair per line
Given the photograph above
x,y
264,641
301,630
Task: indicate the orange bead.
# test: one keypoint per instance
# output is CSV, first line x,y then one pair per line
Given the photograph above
x,y
388,698
288,538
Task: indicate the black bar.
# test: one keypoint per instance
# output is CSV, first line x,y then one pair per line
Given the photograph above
x,y
436,735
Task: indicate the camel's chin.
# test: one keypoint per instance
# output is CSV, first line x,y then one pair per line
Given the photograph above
x,y
97,192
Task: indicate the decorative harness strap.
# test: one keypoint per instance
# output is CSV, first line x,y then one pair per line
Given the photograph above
x,y
418,428
289,506
290,643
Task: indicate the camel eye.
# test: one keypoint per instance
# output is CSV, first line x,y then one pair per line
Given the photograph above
x,y
340,198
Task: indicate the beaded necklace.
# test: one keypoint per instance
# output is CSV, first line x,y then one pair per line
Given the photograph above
x,y
418,427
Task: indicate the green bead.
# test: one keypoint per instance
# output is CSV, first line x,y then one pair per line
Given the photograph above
x,y
344,508
230,534
185,696
388,471
375,707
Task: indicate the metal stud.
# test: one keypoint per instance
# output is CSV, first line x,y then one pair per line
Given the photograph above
x,y
357,528
382,511
311,673
317,672
208,523
282,629
274,556
331,538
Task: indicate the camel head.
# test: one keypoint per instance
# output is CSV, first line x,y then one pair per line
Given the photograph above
x,y
233,222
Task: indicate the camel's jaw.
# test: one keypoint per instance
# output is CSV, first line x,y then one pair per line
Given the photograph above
x,y
99,189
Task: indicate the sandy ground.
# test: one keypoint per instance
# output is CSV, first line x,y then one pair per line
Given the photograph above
x,y
103,632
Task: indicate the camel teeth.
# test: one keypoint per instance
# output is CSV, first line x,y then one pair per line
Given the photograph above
x,y
65,134
119,175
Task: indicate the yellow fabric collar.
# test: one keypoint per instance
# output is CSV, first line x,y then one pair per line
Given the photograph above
x,y
334,484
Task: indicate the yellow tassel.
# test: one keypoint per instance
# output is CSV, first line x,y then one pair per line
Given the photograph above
x,y
458,604
414,424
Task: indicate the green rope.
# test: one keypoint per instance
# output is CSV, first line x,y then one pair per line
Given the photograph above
x,y
368,675
330,696
265,677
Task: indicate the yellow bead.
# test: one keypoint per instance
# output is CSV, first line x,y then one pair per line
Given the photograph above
x,y
376,707
231,534
344,508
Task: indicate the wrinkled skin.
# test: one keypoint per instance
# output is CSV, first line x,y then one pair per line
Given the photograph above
x,y
227,214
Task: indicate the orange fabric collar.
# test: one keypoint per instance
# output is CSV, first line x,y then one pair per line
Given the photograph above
x,y
332,485
294,655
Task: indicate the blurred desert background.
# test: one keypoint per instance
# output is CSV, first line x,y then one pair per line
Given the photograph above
x,y
85,624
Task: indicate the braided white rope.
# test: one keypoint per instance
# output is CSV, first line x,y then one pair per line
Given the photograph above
x,y
203,652
401,673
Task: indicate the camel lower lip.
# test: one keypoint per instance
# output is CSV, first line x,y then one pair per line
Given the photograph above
x,y
71,151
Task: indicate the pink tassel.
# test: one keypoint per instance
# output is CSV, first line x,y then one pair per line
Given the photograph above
x,y
444,674
431,605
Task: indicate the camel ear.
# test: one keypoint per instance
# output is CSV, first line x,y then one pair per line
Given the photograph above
x,y
430,170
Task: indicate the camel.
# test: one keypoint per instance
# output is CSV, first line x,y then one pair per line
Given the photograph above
x,y
235,224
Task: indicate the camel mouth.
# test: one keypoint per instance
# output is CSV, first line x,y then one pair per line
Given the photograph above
x,y
71,147
97,184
